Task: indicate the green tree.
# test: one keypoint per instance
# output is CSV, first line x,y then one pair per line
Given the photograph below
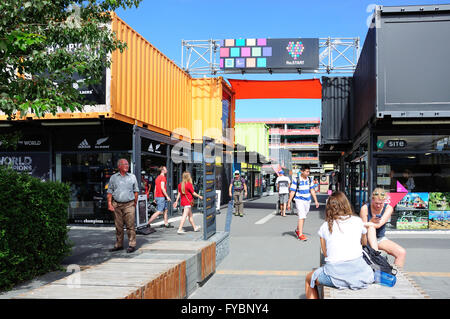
x,y
44,43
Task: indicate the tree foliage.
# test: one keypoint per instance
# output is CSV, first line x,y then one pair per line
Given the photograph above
x,y
43,43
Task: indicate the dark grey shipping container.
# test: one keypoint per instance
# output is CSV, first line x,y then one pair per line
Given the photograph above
x,y
337,101
364,84
404,66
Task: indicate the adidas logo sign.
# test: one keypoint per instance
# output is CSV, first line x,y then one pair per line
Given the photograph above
x,y
84,144
154,150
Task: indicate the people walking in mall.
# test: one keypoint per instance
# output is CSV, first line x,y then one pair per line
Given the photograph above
x,y
375,216
282,183
238,191
161,198
302,188
341,236
187,194
122,196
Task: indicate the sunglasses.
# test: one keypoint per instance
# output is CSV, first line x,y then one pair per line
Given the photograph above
x,y
381,195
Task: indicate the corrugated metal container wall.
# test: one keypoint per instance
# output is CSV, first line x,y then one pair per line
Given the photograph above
x,y
229,94
337,100
207,109
255,136
364,85
146,86
412,61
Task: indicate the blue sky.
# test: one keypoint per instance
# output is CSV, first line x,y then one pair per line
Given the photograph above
x,y
165,23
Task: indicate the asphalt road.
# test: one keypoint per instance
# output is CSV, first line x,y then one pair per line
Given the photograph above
x,y
266,260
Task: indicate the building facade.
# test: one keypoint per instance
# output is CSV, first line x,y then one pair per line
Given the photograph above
x,y
292,142
151,113
396,117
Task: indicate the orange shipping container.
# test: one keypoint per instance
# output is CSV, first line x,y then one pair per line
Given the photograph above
x,y
145,88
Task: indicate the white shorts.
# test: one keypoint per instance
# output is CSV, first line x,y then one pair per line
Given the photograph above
x,y
302,207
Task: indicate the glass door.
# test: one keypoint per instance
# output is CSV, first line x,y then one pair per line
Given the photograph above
x,y
356,182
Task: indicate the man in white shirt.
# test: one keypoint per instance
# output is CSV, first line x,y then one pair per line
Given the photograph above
x,y
283,183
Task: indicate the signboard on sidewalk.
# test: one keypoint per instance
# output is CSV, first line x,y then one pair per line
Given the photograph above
x,y
209,185
141,211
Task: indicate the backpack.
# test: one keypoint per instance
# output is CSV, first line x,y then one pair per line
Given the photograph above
x,y
374,259
298,182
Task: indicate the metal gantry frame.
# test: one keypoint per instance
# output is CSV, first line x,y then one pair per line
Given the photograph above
x,y
336,55
198,57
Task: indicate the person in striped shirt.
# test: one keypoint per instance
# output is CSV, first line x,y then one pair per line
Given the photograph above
x,y
302,188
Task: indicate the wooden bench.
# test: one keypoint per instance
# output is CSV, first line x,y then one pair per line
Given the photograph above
x,y
119,278
404,288
160,270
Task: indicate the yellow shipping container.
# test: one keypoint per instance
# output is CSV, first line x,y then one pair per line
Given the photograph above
x,y
207,96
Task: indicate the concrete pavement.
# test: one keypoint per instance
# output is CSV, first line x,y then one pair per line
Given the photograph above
x,y
265,259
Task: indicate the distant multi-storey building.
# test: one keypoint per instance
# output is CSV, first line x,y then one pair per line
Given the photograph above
x,y
299,136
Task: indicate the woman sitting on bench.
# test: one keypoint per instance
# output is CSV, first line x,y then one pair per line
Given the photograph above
x,y
341,236
375,216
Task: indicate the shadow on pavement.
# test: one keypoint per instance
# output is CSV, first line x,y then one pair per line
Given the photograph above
x,y
255,204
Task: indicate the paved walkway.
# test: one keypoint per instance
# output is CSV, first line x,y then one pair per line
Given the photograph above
x,y
428,259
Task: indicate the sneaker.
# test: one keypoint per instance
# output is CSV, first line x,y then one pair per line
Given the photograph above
x,y
297,233
180,232
197,228
115,249
302,237
242,215
168,226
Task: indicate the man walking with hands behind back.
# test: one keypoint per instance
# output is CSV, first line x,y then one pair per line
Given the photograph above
x,y
122,198
302,189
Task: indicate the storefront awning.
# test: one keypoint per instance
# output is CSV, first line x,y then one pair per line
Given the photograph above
x,y
294,89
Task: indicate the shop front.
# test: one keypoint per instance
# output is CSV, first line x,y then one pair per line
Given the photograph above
x,y
252,175
413,165
84,154
85,157
355,180
26,152
415,168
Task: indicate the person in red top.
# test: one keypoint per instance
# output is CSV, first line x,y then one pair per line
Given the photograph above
x,y
161,198
187,193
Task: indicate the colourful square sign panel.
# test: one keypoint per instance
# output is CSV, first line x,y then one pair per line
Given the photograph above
x,y
264,53
244,53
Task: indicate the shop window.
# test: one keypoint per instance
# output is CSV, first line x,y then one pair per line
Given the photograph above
x,y
226,121
425,181
150,166
88,176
